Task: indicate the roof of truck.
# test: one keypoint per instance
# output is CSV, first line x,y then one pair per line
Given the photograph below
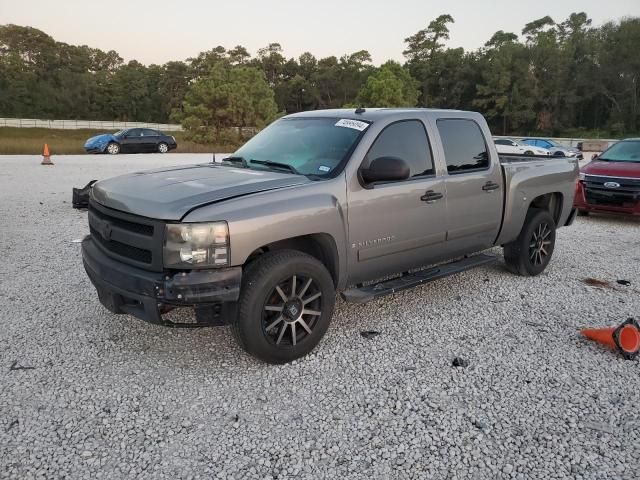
x,y
370,114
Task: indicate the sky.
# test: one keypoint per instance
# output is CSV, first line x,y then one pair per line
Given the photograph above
x,y
161,30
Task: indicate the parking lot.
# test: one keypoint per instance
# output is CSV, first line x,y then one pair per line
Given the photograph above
x,y
84,393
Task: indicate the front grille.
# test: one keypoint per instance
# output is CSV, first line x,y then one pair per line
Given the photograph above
x,y
132,227
602,190
127,238
134,253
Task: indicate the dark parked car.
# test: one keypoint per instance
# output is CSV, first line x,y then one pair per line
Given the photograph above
x,y
610,183
132,140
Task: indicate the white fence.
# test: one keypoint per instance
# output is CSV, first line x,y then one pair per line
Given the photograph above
x,y
89,124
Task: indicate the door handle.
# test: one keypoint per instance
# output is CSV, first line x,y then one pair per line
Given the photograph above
x,y
431,197
490,186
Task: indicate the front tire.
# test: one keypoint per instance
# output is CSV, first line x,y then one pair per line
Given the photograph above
x,y
113,148
530,253
285,306
163,147
528,152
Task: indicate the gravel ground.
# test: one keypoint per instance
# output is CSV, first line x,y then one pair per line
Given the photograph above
x,y
106,396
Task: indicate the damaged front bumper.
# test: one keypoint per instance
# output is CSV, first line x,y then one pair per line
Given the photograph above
x,y
124,289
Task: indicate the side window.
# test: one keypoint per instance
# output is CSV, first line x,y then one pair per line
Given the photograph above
x,y
502,142
149,133
406,140
134,132
464,145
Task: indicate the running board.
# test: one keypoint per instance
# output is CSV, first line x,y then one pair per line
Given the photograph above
x,y
409,280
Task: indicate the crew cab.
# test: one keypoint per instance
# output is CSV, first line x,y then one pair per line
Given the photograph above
x,y
362,202
610,183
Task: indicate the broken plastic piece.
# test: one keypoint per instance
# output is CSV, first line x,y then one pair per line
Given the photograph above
x,y
460,362
80,198
369,333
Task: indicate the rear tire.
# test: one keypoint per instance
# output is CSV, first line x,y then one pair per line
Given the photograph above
x,y
163,147
528,152
530,253
113,148
285,306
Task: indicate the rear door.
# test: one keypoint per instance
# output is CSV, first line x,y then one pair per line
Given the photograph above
x,y
150,139
394,226
474,185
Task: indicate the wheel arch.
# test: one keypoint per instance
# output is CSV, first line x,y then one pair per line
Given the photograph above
x,y
552,202
321,246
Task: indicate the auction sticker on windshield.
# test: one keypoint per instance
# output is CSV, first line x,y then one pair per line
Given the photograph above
x,y
355,124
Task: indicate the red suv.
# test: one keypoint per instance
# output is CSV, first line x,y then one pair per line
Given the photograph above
x,y
611,181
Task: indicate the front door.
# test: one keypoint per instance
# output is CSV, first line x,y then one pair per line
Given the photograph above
x,y
474,186
394,226
132,141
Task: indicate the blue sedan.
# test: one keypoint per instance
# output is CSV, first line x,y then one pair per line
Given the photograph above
x,y
132,140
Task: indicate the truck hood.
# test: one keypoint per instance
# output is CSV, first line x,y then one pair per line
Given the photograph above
x,y
612,169
170,193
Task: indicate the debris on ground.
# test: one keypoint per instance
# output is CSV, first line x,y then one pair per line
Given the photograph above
x,y
460,362
17,366
12,424
369,333
626,283
80,196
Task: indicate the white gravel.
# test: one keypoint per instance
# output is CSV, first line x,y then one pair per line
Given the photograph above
x,y
112,397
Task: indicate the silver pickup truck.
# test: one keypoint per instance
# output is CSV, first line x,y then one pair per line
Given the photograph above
x,y
361,202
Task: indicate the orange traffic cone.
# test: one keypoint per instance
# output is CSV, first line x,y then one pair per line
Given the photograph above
x,y
46,158
625,337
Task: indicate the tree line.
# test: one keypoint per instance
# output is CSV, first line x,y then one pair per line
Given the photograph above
x,y
567,77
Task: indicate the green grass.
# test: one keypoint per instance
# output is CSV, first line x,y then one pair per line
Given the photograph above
x,y
30,141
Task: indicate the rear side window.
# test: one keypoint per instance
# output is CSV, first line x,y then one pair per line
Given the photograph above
x,y
464,146
149,133
406,140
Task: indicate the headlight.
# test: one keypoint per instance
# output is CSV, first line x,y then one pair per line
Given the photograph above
x,y
196,245
581,177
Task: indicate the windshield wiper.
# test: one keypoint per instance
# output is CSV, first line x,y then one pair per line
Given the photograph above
x,y
270,163
241,160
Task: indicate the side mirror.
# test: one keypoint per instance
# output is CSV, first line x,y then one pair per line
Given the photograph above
x,y
386,169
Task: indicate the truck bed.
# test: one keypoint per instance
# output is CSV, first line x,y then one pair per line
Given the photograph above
x,y
515,158
529,176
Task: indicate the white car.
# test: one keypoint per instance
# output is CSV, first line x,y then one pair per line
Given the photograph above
x,y
508,146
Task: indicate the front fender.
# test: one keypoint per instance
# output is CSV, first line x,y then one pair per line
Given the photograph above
x,y
260,219
100,142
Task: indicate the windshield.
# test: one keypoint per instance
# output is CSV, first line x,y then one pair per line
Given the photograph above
x,y
312,146
622,152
